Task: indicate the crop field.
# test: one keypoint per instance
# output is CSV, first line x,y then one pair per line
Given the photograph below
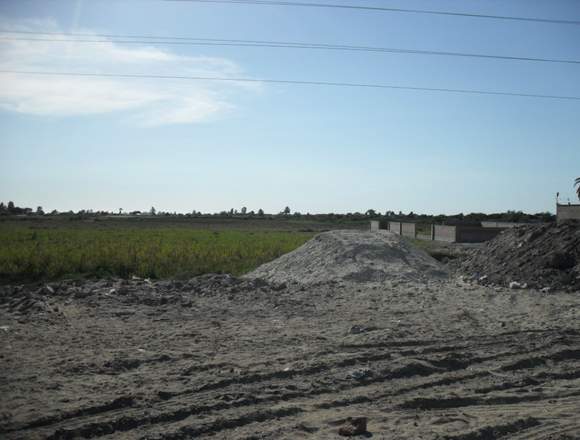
x,y
28,253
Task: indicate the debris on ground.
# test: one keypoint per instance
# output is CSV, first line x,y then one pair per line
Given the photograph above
x,y
545,257
354,426
358,329
34,300
360,374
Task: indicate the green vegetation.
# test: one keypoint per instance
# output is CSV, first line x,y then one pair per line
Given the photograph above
x,y
437,250
286,216
28,253
423,228
427,246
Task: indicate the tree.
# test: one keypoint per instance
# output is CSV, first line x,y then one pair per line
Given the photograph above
x,y
371,213
261,212
286,210
244,210
39,211
10,206
577,183
152,211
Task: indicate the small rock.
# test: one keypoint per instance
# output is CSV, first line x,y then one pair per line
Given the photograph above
x,y
357,329
46,290
546,290
516,285
482,279
353,426
81,293
360,374
164,395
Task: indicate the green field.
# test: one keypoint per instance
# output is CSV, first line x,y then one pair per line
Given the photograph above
x,y
29,253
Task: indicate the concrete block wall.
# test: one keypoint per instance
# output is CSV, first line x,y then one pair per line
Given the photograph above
x,y
451,234
445,233
384,224
395,227
568,212
408,230
475,234
425,234
503,225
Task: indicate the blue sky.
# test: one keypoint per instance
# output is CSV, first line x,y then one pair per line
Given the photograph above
x,y
94,143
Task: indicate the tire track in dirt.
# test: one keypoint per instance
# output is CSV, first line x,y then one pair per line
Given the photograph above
x,y
497,401
497,431
125,423
563,430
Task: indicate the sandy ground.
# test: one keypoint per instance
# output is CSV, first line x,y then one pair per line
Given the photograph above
x,y
239,359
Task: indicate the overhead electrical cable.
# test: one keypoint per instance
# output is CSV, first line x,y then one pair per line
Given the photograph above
x,y
158,40
382,9
290,82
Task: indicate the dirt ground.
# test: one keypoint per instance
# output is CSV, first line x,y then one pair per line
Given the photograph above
x,y
231,358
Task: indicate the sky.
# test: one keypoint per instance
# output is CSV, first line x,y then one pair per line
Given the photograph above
x,y
105,143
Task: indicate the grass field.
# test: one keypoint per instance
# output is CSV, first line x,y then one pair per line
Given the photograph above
x,y
29,253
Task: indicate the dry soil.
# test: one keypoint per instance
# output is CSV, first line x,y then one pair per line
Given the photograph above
x,y
425,357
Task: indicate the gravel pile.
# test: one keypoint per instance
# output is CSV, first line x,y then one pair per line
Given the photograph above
x,y
351,257
542,257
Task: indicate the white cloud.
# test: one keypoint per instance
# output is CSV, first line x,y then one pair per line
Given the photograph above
x,y
147,101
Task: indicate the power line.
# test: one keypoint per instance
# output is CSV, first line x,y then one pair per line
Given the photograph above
x,y
383,9
144,39
290,82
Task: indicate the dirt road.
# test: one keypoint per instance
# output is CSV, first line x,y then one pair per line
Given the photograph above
x,y
237,359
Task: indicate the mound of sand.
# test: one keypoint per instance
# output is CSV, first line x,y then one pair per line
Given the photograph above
x,y
351,256
540,256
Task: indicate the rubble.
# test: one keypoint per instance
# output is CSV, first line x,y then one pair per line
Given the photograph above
x,y
543,257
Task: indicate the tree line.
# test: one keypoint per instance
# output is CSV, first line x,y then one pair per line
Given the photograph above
x,y
10,209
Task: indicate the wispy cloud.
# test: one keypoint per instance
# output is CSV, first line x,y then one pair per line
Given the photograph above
x,y
146,101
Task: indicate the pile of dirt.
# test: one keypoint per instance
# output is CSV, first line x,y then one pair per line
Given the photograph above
x,y
351,256
540,256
